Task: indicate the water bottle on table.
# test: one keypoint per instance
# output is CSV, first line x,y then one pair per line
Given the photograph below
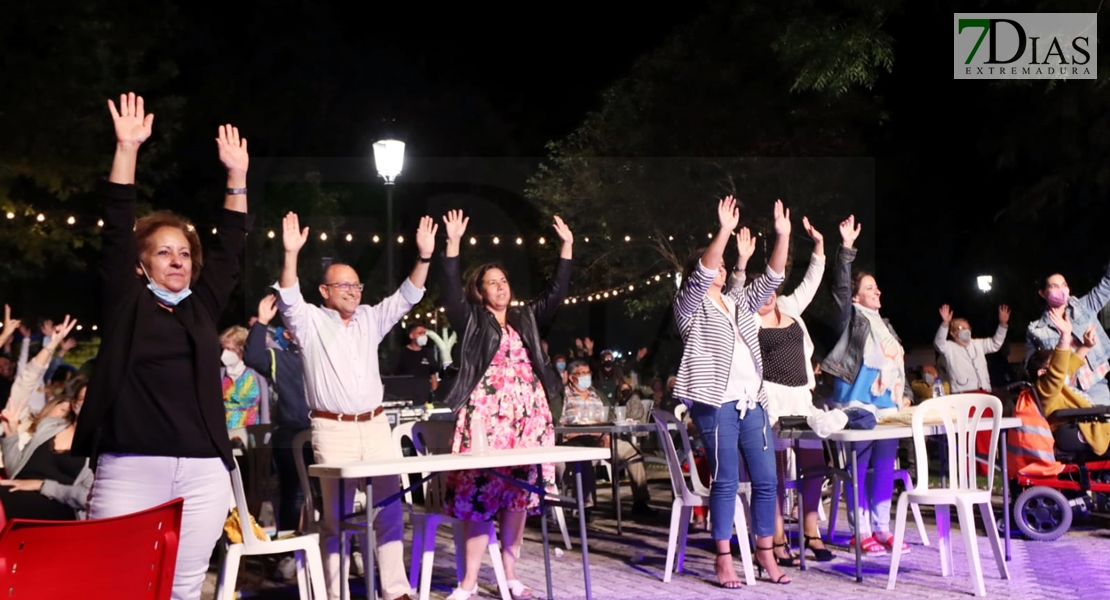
x,y
938,388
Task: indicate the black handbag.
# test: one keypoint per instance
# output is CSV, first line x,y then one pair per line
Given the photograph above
x,y
793,422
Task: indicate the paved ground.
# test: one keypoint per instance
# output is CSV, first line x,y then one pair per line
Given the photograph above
x,y
630,566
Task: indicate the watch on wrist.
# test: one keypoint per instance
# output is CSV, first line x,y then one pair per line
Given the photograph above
x,y
424,260
236,191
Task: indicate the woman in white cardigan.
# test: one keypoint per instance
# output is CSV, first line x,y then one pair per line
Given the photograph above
x,y
787,354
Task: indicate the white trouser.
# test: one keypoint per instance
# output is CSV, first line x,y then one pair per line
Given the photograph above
x,y
351,441
129,483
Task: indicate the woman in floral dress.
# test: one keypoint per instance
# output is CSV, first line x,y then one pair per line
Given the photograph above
x,y
507,381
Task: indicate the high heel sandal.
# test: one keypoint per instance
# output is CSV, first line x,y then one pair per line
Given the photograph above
x,y
732,584
786,561
517,590
759,565
819,554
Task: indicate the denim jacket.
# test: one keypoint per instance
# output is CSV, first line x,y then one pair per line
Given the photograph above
x,y
846,357
1083,312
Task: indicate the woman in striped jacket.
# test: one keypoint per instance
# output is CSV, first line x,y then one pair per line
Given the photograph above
x,y
721,380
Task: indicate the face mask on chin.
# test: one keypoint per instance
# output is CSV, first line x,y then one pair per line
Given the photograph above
x,y
164,296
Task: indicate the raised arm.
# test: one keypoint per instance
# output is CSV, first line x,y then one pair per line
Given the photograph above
x,y
454,302
10,326
1097,298
426,247
842,278
547,304
803,295
255,353
294,310
755,295
745,247
940,340
1052,382
696,285
133,126
222,267
993,344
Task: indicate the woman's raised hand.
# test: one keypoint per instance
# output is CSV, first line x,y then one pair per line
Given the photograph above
x,y
782,219
61,331
1063,325
728,214
133,125
849,231
233,149
563,231
745,244
456,225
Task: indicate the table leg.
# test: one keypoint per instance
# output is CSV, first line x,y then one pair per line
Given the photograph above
x,y
543,531
344,553
801,506
1005,495
582,528
859,515
616,476
368,554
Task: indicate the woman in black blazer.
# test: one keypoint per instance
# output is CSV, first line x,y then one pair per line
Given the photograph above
x,y
153,417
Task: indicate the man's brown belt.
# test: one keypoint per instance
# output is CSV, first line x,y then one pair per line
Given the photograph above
x,y
366,416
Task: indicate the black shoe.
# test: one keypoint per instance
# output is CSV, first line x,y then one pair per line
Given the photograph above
x,y
589,515
641,509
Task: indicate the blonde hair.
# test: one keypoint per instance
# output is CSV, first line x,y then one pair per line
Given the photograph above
x,y
236,335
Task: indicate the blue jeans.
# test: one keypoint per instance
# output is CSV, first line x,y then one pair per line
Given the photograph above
x,y
727,437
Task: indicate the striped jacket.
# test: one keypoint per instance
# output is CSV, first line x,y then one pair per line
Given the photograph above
x,y
709,339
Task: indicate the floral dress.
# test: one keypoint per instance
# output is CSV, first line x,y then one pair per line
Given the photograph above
x,y
514,406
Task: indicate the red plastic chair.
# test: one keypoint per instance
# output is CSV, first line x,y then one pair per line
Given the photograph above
x,y
131,556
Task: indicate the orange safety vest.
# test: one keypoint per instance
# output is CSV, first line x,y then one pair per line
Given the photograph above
x,y
1030,446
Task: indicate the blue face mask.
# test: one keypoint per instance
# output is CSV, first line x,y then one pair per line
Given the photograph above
x,y
562,366
165,296
584,382
279,338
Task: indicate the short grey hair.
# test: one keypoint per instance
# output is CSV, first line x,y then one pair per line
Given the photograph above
x,y
574,364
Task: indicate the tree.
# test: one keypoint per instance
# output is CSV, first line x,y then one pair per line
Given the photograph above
x,y
62,60
706,92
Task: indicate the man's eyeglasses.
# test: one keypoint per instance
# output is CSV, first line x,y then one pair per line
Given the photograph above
x,y
347,287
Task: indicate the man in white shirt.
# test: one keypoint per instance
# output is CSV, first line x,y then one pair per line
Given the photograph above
x,y
343,385
966,358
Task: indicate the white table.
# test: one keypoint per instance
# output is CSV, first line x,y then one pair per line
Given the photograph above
x,y
434,464
893,432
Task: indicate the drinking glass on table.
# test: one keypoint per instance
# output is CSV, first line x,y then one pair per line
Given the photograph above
x,y
621,412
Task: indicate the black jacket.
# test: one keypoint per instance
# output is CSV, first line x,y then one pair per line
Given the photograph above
x,y
285,372
481,334
121,293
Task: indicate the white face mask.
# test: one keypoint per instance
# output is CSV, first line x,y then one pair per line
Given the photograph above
x,y
422,340
584,382
233,363
964,336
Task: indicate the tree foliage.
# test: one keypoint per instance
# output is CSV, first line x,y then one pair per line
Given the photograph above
x,y
707,92
62,60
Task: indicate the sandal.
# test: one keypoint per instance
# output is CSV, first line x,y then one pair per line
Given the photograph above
x,y
889,544
517,590
461,594
786,561
870,545
732,584
819,554
782,579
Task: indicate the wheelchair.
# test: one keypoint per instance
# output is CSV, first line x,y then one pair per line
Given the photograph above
x,y
1045,506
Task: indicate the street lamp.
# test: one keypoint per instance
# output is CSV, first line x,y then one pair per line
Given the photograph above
x,y
985,282
389,157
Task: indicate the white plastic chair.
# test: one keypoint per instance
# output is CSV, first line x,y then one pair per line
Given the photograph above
x,y
686,497
435,437
961,415
312,519
306,549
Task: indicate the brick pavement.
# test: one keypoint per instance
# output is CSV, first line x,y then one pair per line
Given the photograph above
x,y
630,566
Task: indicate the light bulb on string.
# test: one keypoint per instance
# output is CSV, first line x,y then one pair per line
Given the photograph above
x,y
375,239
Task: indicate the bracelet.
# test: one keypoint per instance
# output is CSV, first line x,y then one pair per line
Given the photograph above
x,y
236,191
424,260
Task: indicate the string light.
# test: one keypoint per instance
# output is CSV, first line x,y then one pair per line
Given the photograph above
x,y
350,237
270,235
323,237
598,296
71,220
40,218
11,215
376,239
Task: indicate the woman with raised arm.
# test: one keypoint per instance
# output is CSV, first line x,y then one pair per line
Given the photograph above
x,y
720,379
153,420
868,369
787,352
507,383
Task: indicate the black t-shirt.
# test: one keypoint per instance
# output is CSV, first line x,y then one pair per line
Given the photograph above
x,y
158,412
418,363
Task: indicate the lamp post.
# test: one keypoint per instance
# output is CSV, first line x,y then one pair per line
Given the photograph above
x,y
985,282
389,157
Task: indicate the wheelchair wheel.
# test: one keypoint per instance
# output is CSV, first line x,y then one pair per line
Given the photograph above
x,y
1042,514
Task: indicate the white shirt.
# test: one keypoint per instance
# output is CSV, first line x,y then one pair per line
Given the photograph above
x,y
743,381
967,365
341,372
